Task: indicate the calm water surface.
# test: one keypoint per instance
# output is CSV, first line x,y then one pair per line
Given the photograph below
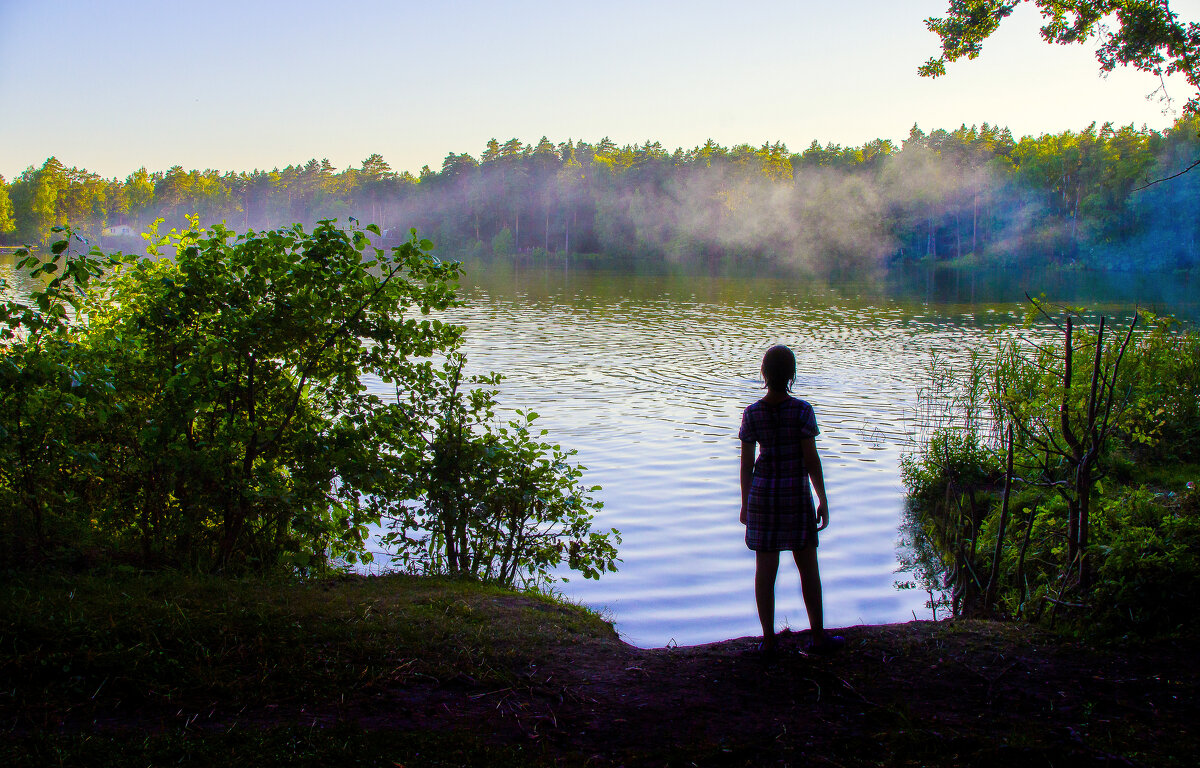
x,y
646,377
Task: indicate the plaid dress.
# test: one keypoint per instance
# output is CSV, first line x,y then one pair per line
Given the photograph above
x,y
780,512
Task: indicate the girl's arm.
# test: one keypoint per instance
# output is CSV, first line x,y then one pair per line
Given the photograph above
x,y
747,475
812,462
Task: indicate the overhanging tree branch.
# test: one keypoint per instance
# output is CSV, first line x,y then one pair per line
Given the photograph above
x,y
1168,178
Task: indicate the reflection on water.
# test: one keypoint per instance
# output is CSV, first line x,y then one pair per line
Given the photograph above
x,y
646,376
17,284
1105,292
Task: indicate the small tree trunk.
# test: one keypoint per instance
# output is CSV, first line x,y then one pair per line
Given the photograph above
x,y
990,595
975,224
1075,217
1084,490
451,545
957,233
1072,441
1084,472
1021,560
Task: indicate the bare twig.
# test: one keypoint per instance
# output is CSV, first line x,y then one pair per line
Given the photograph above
x,y
1168,178
1043,312
990,592
1065,603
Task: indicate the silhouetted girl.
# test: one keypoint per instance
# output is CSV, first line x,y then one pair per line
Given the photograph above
x,y
777,503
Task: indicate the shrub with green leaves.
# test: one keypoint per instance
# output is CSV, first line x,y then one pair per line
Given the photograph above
x,y
493,499
1163,382
206,408
1103,427
1149,577
950,485
229,407
51,401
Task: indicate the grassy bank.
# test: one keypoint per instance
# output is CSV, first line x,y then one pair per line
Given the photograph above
x,y
76,643
122,669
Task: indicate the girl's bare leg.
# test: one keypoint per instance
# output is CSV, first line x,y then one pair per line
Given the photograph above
x,y
766,565
810,588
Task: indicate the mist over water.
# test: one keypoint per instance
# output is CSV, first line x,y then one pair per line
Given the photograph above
x,y
646,376
971,193
974,195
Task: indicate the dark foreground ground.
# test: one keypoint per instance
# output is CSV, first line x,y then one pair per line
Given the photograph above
x,y
570,693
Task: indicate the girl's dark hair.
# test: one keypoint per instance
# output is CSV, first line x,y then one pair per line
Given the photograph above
x,y
779,368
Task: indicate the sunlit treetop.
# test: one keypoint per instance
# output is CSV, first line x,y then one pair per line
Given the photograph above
x,y
1144,34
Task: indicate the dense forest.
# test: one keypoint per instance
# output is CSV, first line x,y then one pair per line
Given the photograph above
x,y
973,194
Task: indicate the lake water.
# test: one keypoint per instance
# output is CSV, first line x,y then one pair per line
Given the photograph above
x,y
646,377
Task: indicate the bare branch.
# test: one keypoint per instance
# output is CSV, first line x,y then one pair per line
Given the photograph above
x,y
1065,407
1042,312
1167,178
1116,366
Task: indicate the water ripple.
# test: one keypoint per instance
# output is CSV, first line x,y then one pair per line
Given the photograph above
x,y
647,382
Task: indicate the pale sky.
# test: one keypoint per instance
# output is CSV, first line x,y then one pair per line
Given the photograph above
x,y
113,86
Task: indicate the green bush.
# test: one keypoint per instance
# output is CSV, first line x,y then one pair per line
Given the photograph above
x,y
1162,383
1085,543
1148,580
495,501
51,403
207,410
953,459
503,243
950,488
215,397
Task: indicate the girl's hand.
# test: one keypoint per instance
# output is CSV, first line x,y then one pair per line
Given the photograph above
x,y
743,517
822,516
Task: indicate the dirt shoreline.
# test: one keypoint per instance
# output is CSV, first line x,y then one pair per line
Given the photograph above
x,y
921,693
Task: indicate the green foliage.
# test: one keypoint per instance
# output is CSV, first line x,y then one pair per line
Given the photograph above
x,y
206,408
502,243
1163,382
7,222
495,501
1149,577
951,460
971,194
1085,541
51,401
1147,36
949,485
242,360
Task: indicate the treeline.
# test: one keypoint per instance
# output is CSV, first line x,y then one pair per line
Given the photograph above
x,y
972,193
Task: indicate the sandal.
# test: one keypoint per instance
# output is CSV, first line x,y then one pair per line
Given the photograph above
x,y
767,652
831,644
